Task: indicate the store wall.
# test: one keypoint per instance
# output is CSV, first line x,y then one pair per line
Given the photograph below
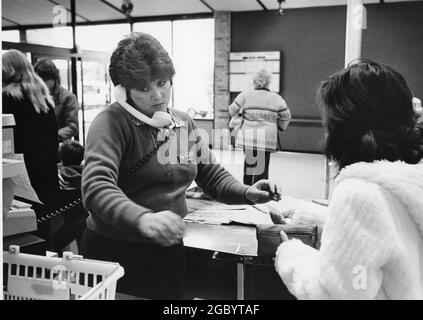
x,y
312,42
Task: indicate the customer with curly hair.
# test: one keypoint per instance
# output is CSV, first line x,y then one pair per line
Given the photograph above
x,y
134,192
372,240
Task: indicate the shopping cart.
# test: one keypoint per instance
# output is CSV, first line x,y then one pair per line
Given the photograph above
x,y
33,277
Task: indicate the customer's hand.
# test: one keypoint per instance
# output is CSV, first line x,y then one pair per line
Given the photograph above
x,y
298,211
284,237
263,191
165,227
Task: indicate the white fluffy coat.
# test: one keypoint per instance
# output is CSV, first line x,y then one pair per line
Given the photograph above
x,y
372,240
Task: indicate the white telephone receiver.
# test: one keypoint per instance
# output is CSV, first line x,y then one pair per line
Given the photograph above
x,y
160,119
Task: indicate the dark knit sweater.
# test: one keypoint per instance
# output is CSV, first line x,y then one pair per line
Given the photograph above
x,y
115,143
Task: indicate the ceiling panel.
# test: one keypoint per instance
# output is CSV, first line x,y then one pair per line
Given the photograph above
x,y
66,3
97,10
400,0
28,12
234,5
163,7
290,4
6,23
33,12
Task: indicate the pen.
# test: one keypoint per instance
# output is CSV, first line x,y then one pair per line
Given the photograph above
x,y
259,209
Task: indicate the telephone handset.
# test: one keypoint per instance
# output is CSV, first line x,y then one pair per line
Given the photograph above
x,y
160,119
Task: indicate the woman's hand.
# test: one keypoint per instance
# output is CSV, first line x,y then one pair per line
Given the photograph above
x,y
299,212
284,237
165,227
263,191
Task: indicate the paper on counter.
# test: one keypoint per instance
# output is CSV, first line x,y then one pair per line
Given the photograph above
x,y
225,214
23,187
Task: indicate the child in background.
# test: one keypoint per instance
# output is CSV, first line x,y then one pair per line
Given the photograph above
x,y
71,155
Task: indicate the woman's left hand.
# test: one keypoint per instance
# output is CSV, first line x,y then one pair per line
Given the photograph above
x,y
263,191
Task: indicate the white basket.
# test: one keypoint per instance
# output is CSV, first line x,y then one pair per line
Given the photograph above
x,y
33,277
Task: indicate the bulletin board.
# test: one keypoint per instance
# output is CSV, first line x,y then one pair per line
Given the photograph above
x,y
243,65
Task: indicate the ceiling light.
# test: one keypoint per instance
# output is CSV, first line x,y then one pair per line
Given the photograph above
x,y
280,10
127,7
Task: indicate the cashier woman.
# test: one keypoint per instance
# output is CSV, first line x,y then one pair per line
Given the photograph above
x,y
132,187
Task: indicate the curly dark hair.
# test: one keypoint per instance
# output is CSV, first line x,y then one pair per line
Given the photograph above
x,y
368,115
139,59
47,70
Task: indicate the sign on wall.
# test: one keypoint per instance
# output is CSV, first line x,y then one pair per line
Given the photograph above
x,y
243,65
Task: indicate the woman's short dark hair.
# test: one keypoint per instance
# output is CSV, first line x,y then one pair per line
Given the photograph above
x,y
71,152
368,114
139,59
47,70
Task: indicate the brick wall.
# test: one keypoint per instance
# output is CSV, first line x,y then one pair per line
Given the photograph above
x,y
221,68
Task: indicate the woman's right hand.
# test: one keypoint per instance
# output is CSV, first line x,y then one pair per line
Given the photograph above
x,y
164,227
299,212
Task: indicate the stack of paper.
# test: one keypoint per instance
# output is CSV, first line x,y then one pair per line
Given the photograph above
x,y
225,214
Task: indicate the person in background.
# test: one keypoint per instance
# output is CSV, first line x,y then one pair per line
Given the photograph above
x,y
66,103
26,96
261,109
135,194
71,155
372,239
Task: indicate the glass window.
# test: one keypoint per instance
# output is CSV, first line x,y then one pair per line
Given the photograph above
x,y
102,37
10,35
96,92
194,64
57,37
161,30
64,68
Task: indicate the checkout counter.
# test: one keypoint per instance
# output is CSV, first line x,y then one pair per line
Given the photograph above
x,y
223,262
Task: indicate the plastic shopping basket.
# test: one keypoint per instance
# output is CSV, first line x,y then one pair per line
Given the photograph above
x,y
29,277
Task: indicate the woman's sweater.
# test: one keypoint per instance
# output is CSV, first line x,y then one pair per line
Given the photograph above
x,y
115,198
372,240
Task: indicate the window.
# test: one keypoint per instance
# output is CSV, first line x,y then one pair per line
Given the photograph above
x,y
193,56
57,37
161,30
11,35
64,67
95,93
94,37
